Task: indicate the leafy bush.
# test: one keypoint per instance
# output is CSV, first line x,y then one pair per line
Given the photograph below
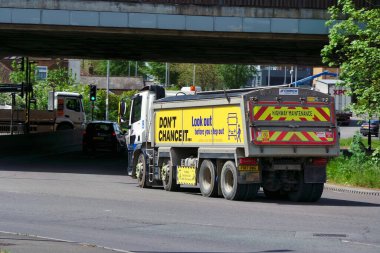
x,y
359,169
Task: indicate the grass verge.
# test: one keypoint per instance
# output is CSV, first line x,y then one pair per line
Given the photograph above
x,y
358,169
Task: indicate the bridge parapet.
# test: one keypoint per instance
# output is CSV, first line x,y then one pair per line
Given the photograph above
x,y
296,4
141,29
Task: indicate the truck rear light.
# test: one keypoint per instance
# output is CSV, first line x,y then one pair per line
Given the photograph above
x,y
113,134
248,161
319,161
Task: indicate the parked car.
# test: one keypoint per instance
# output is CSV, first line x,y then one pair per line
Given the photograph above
x,y
104,135
372,128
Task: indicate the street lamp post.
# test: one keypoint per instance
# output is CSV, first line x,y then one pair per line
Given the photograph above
x,y
291,75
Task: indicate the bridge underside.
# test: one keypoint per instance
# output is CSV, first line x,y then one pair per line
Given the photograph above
x,y
160,45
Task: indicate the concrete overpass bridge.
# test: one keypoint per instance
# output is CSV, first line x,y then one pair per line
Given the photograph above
x,y
213,31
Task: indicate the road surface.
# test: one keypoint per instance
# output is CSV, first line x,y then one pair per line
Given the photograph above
x,y
89,199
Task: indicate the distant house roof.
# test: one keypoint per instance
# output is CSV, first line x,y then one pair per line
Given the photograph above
x,y
116,83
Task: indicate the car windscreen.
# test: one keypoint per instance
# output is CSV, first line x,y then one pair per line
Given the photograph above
x,y
103,128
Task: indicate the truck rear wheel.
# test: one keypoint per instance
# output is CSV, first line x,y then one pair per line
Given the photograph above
x,y
316,192
274,194
141,171
231,189
168,180
207,179
306,192
251,191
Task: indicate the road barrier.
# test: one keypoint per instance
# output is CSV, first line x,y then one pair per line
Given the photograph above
x,y
41,143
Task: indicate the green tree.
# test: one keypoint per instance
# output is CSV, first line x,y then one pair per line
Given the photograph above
x,y
235,76
117,67
156,70
354,46
206,75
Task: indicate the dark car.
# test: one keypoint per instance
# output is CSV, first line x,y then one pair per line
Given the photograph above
x,y
103,135
372,128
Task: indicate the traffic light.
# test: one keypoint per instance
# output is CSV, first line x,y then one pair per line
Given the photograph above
x,y
92,92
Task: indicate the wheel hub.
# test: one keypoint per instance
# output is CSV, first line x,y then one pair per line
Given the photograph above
x,y
165,171
139,170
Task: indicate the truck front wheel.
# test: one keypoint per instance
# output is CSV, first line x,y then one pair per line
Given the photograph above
x,y
231,189
141,171
207,179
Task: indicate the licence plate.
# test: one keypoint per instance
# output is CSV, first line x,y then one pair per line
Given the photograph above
x,y
98,138
254,168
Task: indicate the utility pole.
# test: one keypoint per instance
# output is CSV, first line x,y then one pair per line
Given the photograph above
x,y
194,75
108,86
129,68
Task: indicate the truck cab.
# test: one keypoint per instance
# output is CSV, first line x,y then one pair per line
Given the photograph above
x,y
69,111
140,118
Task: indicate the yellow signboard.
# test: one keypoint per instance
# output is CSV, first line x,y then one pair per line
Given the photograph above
x,y
186,175
217,124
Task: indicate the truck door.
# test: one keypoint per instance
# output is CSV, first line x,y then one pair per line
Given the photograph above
x,y
135,131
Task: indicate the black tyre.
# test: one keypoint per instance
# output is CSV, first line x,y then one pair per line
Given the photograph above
x,y
231,189
274,194
316,192
141,177
306,192
251,191
207,179
169,181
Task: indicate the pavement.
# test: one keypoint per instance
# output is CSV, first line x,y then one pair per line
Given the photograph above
x,y
21,243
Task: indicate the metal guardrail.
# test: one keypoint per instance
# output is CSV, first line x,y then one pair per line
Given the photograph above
x,y
11,130
296,4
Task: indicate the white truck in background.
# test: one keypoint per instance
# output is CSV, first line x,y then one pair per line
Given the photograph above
x,y
65,111
341,96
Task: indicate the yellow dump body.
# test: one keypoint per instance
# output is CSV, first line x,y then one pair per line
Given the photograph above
x,y
264,122
207,125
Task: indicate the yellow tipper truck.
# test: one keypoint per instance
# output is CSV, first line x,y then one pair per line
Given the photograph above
x,y
231,143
